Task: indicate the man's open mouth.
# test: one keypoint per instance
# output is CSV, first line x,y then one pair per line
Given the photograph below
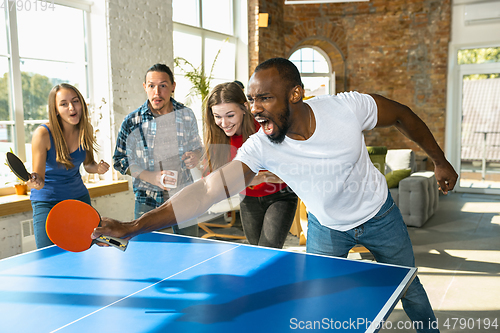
x,y
267,126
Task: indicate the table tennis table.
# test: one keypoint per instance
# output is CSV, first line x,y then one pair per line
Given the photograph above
x,y
172,283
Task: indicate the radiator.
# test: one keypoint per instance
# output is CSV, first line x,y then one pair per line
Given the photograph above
x,y
27,236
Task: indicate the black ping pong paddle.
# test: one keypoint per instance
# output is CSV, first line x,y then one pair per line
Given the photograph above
x,y
17,167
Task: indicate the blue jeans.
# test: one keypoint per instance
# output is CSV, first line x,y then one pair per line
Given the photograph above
x,y
386,236
40,211
141,208
266,220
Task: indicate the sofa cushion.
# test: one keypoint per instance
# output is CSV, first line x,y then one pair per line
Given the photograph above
x,y
394,177
398,159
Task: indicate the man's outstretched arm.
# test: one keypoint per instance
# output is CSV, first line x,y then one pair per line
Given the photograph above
x,y
190,202
391,113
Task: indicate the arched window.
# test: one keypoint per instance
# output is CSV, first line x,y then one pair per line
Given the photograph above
x,y
314,68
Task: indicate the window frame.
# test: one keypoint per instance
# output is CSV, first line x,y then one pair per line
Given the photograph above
x,y
14,65
239,23
453,130
330,75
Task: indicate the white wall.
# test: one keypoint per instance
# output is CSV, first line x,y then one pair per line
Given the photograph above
x,y
127,38
476,33
139,36
10,234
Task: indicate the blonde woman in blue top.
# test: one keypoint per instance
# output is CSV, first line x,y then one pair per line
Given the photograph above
x,y
58,149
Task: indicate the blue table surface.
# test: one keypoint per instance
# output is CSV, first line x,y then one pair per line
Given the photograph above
x,y
170,283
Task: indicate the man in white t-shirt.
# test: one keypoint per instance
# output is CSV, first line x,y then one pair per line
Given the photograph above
x,y
317,147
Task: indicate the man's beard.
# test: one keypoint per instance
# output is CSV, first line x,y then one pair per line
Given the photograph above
x,y
284,119
157,110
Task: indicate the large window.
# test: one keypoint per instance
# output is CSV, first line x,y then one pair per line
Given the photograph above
x,y
315,71
205,34
42,43
479,146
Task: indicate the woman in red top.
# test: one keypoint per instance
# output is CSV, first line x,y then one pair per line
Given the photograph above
x,y
268,206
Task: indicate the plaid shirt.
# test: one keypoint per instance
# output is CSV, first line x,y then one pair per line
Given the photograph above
x,y
138,154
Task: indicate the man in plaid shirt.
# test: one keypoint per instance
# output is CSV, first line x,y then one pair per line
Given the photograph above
x,y
159,137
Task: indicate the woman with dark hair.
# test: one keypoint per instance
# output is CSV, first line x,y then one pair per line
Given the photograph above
x,y
58,149
267,207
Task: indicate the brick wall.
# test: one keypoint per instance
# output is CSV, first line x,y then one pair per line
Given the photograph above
x,y
253,35
140,35
396,48
268,42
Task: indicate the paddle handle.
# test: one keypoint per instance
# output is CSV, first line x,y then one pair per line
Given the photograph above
x,y
120,244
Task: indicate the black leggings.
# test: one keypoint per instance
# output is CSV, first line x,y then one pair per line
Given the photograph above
x,y
266,220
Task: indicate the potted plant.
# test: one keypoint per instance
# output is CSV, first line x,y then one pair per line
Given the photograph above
x,y
21,188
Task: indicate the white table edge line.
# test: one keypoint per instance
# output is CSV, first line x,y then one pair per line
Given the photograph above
x,y
380,316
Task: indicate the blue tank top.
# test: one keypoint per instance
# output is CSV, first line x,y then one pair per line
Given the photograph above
x,y
61,183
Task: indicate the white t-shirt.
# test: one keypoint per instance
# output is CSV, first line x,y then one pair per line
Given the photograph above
x,y
331,172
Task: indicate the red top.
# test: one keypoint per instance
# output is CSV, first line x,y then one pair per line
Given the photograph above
x,y
262,189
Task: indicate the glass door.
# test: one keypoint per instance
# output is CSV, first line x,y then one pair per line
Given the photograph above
x,y
480,129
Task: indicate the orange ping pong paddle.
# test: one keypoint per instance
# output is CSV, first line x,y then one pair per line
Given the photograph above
x,y
70,223
17,167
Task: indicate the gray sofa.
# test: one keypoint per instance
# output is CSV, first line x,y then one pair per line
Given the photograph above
x,y
417,196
